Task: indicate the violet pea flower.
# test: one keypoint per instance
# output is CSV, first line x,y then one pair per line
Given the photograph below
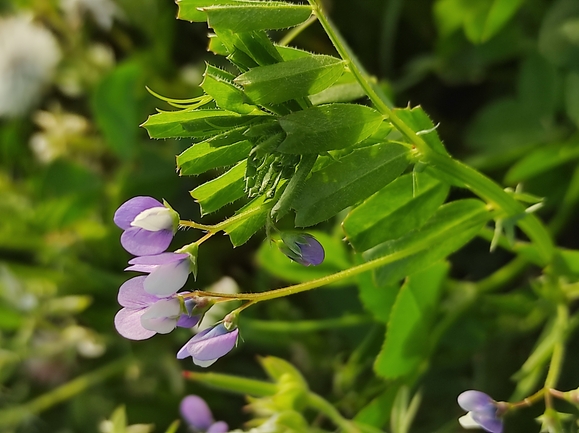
x,y
302,248
168,272
144,315
198,416
483,411
209,345
148,225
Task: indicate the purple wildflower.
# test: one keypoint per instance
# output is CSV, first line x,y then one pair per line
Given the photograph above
x,y
198,416
209,345
148,225
482,411
302,248
168,272
144,315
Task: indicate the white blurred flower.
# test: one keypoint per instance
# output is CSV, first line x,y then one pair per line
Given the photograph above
x,y
59,130
28,55
102,11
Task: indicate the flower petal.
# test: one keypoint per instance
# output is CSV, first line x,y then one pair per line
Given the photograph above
x,y
186,321
204,364
488,420
218,427
162,316
467,422
128,324
166,279
475,401
128,211
132,294
141,242
196,413
154,219
158,259
212,348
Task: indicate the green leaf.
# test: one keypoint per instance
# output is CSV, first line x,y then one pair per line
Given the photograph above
x,y
202,157
115,107
250,49
451,227
419,121
378,300
345,89
189,10
278,264
173,427
256,210
294,186
541,160
488,17
377,412
196,124
566,263
218,84
328,127
398,208
248,16
292,79
291,53
218,192
348,181
406,345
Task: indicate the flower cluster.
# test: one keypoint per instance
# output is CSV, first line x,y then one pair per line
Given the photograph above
x,y
151,303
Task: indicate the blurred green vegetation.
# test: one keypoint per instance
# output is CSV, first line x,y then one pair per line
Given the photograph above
x,y
505,94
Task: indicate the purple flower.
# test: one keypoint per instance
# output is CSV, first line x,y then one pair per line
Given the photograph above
x,y
148,225
198,416
144,315
302,248
482,411
209,345
168,272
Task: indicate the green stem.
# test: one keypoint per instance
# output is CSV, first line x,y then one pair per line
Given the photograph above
x,y
313,284
13,416
222,225
558,354
296,31
473,180
303,326
316,402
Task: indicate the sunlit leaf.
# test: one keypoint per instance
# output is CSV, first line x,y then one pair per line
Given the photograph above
x,y
248,16
327,127
291,79
218,192
202,157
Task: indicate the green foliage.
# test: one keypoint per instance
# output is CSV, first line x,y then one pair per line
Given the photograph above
x,y
277,135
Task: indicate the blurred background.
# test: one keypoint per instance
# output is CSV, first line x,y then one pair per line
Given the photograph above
x,y
72,95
